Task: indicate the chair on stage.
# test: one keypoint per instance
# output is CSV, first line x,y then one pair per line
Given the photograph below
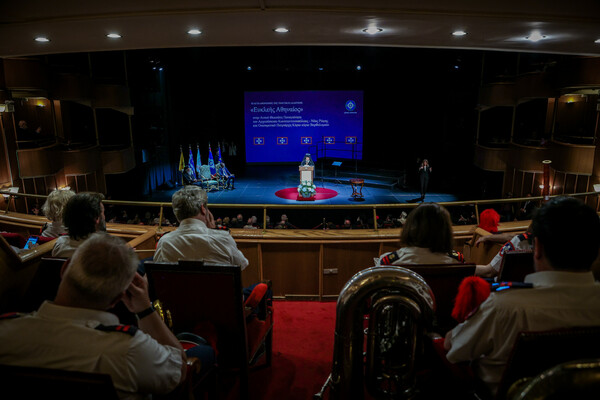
x,y
206,179
207,300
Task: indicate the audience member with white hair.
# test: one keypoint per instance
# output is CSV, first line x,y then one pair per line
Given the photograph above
x,y
53,210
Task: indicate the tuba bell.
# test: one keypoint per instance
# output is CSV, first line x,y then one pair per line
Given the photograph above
x,y
393,306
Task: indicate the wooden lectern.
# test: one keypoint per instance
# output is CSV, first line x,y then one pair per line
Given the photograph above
x,y
307,173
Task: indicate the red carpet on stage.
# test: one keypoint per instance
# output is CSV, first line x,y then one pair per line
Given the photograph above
x,y
292,193
303,335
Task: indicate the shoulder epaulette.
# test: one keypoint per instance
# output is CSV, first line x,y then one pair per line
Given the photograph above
x,y
128,329
11,315
499,286
458,256
524,236
389,259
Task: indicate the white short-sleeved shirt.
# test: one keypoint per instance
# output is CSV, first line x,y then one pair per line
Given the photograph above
x,y
54,230
66,338
192,240
519,242
65,246
415,255
558,300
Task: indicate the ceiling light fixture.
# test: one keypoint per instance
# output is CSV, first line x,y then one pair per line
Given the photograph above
x,y
281,30
372,30
597,41
535,36
42,39
459,33
194,32
113,36
358,67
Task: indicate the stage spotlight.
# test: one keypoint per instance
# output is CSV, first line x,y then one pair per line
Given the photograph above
x,y
358,67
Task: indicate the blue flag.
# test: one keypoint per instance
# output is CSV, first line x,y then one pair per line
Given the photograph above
x,y
198,160
219,147
211,161
191,163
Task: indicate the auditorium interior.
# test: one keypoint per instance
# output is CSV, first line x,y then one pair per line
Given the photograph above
x,y
503,98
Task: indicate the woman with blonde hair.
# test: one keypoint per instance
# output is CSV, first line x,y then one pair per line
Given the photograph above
x,y
53,210
426,238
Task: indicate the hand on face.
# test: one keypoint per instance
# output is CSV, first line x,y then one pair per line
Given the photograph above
x,y
136,297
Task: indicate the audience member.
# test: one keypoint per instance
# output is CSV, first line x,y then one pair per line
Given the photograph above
x,y
83,215
527,209
252,223
566,242
512,242
75,332
53,210
426,238
284,223
196,238
237,222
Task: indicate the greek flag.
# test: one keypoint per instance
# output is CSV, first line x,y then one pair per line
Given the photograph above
x,y
211,161
198,160
191,163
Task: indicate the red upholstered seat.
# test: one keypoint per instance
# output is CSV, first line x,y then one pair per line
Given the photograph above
x,y
14,239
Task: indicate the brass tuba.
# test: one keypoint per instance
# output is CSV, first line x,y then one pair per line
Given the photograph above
x,y
400,306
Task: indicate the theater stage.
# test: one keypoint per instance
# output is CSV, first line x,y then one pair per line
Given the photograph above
x,y
259,184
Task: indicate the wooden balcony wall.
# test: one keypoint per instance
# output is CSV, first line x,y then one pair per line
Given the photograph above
x,y
39,162
82,161
491,159
115,97
26,74
535,85
572,158
498,94
72,87
580,73
118,161
527,158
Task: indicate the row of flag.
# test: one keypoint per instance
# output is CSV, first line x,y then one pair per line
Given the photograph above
x,y
196,169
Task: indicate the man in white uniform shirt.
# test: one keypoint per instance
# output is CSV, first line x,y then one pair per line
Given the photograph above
x,y
196,238
566,242
76,333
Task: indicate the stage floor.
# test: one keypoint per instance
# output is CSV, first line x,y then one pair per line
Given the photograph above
x,y
258,185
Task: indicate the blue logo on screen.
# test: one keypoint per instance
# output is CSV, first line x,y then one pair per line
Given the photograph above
x,y
306,140
329,139
350,105
259,141
282,140
350,139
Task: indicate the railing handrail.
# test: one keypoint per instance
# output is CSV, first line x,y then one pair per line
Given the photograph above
x,y
374,207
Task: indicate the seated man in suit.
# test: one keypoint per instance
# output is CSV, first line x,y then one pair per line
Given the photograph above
x,y
188,176
226,176
564,294
75,332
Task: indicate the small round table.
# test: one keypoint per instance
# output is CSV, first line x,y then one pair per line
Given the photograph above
x,y
357,185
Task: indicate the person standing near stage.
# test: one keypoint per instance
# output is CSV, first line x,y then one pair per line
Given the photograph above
x,y
424,172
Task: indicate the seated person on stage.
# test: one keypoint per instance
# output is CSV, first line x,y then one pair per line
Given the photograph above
x,y
512,242
83,215
75,332
188,176
426,238
53,210
307,161
226,176
564,294
196,237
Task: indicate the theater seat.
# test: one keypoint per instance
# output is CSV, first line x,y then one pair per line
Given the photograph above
x,y
207,300
46,383
14,239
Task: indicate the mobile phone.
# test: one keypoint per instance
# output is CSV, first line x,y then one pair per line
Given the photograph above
x,y
31,241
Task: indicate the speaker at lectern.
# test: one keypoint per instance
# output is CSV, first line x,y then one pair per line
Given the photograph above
x,y
307,169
